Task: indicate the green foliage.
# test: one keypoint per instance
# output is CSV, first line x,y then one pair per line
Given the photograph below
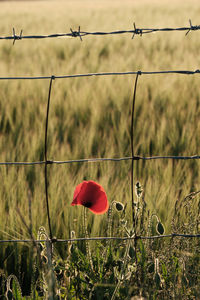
x,y
164,267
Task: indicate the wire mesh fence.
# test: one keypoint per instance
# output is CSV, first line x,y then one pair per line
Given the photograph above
x,y
134,238
106,238
132,158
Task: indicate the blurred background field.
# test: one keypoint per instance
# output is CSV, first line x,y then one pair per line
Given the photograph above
x,y
91,117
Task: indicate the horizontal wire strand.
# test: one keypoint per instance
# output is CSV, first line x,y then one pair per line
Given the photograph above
x,y
183,72
95,160
172,235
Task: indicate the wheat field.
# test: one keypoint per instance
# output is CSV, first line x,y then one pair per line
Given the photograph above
x,y
91,117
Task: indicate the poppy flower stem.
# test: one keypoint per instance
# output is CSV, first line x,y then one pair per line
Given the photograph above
x,y
109,232
88,250
110,219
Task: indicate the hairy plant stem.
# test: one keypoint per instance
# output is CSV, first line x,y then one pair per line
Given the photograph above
x,y
88,250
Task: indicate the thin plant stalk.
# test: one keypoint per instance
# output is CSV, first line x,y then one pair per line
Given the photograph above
x,y
122,274
88,250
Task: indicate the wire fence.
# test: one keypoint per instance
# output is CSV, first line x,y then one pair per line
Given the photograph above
x,y
183,72
96,160
80,34
54,240
133,157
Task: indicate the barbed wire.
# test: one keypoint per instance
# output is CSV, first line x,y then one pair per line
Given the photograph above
x,y
80,34
54,240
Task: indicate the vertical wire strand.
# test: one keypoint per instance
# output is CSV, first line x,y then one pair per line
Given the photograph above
x,y
132,176
132,149
45,156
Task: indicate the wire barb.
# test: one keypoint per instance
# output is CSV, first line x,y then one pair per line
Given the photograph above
x,y
17,37
137,31
76,33
192,27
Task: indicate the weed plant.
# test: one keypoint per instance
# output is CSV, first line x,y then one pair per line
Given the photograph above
x,y
114,269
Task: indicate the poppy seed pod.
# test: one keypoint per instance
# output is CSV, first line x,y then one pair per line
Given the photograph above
x,y
91,195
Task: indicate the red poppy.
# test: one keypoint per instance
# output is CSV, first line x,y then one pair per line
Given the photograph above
x,y
92,195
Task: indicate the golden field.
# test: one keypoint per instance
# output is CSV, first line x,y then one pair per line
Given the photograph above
x,y
91,117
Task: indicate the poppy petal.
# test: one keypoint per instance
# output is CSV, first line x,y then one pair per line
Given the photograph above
x,y
91,195
76,198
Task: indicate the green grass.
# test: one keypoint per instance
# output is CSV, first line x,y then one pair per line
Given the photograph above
x,y
91,117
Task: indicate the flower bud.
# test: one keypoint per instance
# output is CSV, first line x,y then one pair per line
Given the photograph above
x,y
119,206
160,228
